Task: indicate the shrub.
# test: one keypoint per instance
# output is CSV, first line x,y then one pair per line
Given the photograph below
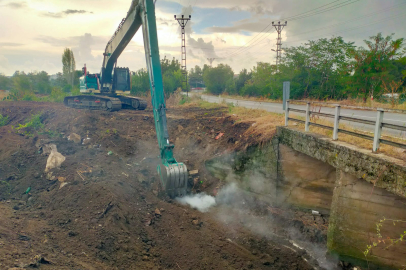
x,y
3,120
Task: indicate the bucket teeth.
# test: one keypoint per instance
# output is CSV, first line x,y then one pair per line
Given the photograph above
x,y
174,179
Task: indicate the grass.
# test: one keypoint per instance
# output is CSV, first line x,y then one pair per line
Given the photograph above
x,y
356,141
3,120
264,123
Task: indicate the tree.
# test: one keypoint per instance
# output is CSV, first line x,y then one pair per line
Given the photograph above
x,y
372,66
243,77
218,79
196,77
5,83
68,65
140,83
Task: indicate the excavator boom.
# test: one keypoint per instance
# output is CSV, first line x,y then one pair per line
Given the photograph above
x,y
173,174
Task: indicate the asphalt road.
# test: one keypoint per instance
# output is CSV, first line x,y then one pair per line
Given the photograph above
x,y
390,118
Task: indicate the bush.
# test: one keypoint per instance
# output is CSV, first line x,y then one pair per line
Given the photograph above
x,y
31,125
184,100
3,120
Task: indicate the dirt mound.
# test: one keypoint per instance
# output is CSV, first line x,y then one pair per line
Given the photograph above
x,y
102,208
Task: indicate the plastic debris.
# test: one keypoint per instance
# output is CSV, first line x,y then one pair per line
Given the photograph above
x,y
28,190
110,153
219,136
316,213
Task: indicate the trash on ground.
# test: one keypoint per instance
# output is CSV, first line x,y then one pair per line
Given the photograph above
x,y
316,213
219,136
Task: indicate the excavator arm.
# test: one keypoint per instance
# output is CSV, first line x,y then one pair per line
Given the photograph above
x,y
174,175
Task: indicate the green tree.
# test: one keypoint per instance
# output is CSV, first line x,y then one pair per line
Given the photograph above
x,y
243,77
5,82
140,83
196,77
372,66
68,65
219,79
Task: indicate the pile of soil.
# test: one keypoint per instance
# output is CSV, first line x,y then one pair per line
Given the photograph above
x,y
102,208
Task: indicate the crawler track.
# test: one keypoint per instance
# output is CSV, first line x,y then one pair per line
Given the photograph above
x,y
105,103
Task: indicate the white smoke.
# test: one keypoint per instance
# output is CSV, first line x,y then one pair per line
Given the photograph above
x,y
201,201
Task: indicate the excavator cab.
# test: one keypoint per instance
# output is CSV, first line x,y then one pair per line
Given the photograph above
x,y
121,79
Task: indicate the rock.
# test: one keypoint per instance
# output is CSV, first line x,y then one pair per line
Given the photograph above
x,y
86,141
195,222
72,234
23,237
162,210
54,160
47,148
180,128
194,172
75,138
157,212
61,179
16,207
63,184
50,177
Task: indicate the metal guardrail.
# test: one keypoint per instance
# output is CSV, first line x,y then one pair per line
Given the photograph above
x,y
337,117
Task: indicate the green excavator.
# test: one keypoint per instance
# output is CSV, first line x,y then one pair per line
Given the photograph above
x,y
173,174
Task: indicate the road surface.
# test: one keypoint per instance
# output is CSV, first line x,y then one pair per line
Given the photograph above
x,y
390,118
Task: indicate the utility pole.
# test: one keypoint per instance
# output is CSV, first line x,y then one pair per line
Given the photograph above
x,y
279,27
211,60
182,22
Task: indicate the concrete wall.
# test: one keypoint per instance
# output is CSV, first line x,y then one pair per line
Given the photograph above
x,y
356,210
389,173
355,187
368,188
306,182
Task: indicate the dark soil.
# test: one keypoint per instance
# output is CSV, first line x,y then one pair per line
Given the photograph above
x,y
111,214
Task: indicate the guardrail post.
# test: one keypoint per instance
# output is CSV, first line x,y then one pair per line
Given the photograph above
x,y
286,113
378,130
336,123
307,124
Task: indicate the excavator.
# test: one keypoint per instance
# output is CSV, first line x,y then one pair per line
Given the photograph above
x,y
173,174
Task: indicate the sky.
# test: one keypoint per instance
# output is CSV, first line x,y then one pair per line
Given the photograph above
x,y
239,33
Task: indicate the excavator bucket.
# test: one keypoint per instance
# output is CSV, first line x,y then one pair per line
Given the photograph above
x,y
174,179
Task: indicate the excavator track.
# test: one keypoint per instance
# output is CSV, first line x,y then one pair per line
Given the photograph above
x,y
133,103
93,102
105,103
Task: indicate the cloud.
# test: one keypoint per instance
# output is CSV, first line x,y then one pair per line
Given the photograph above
x,y
10,44
16,5
252,24
65,13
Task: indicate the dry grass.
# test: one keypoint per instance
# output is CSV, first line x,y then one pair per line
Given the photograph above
x,y
347,102
3,94
263,123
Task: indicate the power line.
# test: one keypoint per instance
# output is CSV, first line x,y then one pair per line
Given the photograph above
x,y
300,16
